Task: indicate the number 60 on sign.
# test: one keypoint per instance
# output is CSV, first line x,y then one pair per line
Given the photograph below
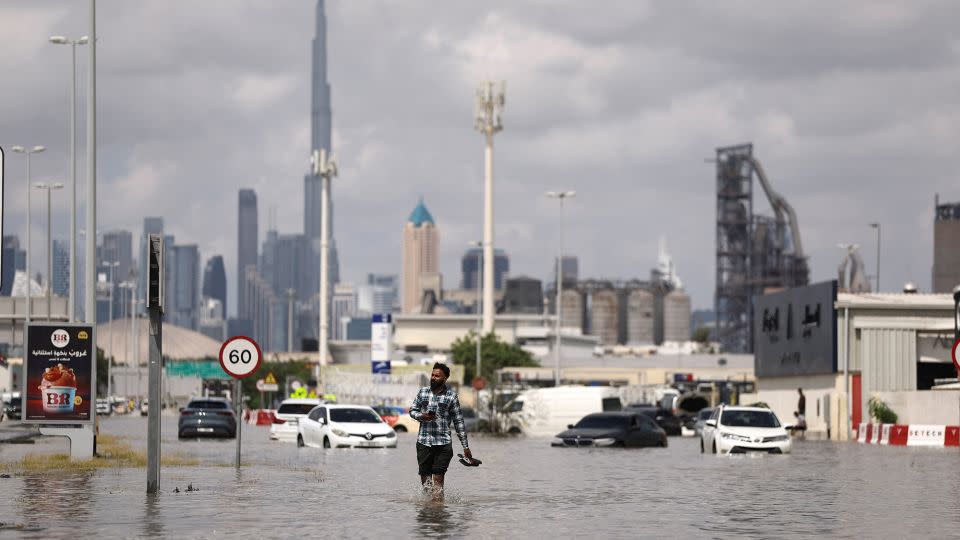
x,y
240,357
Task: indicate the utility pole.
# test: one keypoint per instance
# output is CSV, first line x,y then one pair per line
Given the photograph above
x,y
290,295
561,196
487,110
324,166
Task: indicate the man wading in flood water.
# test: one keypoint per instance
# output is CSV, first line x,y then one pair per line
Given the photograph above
x,y
437,407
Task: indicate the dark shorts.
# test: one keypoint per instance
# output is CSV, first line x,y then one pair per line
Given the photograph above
x,y
434,459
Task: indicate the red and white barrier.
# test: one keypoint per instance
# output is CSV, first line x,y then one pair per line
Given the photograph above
x,y
259,417
908,435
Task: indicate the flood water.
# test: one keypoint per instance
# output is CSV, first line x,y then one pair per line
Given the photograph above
x,y
524,488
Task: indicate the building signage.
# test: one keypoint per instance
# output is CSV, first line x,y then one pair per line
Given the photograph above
x,y
921,435
381,342
60,368
795,331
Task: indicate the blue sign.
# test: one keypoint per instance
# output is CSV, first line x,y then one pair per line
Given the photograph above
x,y
381,367
381,318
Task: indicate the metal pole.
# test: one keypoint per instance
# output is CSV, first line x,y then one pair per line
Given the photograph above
x,y
29,227
72,284
239,400
556,381
90,307
878,257
133,308
49,253
324,264
488,307
110,338
153,413
479,312
290,320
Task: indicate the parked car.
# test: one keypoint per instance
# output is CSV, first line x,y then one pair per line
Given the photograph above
x,y
389,413
545,411
405,423
627,429
208,416
664,418
103,407
345,426
12,410
702,416
737,430
288,415
144,408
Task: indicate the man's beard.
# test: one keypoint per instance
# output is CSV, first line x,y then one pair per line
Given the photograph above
x,y
436,385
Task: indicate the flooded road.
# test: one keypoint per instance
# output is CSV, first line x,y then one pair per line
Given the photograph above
x,y
525,488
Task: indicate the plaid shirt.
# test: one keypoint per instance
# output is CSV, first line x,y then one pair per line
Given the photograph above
x,y
437,432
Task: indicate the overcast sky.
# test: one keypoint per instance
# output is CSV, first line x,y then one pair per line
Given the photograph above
x,y
852,107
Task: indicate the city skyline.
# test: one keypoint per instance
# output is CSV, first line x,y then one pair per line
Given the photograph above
x,y
584,114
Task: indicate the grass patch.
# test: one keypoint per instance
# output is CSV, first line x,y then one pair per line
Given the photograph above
x,y
112,453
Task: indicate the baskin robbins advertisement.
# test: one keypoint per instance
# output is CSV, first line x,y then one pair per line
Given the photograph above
x,y
59,373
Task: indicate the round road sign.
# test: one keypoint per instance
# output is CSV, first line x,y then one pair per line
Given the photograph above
x,y
240,357
479,383
953,354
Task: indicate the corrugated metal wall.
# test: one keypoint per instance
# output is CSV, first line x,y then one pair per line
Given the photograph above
x,y
888,359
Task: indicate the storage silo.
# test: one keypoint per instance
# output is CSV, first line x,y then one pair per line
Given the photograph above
x,y
571,315
640,317
603,316
676,316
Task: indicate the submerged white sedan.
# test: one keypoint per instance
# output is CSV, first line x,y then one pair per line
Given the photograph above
x,y
739,430
345,426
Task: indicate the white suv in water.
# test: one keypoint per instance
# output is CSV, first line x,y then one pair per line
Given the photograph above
x,y
738,430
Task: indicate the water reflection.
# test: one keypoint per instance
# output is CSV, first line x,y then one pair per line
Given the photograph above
x,y
434,520
46,495
152,526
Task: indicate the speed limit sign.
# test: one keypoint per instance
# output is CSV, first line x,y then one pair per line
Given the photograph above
x,y
240,357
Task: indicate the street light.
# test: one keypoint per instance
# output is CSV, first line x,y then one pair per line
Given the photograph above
x,y
111,265
49,188
325,166
956,314
561,196
479,246
71,287
28,152
877,227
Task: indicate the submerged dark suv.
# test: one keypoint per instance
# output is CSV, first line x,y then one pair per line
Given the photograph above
x,y
207,417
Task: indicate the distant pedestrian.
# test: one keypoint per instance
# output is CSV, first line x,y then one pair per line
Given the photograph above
x,y
799,423
802,403
437,407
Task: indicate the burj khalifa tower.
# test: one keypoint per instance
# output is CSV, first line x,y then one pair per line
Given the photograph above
x,y
320,123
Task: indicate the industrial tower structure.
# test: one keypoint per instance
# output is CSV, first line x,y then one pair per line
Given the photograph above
x,y
755,253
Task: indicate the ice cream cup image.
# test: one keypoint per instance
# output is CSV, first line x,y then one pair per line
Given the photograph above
x,y
58,399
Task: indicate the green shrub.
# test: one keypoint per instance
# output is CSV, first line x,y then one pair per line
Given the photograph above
x,y
880,411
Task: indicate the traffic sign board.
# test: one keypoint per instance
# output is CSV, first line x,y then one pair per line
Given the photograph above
x,y
479,383
270,379
953,354
240,357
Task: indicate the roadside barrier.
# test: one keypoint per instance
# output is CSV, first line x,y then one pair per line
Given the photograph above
x,y
908,435
261,417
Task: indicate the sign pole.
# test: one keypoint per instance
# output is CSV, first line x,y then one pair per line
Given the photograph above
x,y
239,393
155,309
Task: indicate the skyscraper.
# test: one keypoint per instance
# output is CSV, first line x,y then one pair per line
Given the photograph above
x,y
283,264
215,282
247,239
343,306
117,247
946,238
185,309
61,268
14,259
471,272
421,257
320,129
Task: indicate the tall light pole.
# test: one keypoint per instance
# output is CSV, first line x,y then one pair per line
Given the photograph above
x,y
28,152
111,265
49,188
324,166
90,268
72,286
479,246
877,227
561,196
290,296
487,110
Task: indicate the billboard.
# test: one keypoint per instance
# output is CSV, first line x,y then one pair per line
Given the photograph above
x,y
795,331
59,369
381,342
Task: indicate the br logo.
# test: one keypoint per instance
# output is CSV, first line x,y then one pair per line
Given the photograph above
x,y
60,338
